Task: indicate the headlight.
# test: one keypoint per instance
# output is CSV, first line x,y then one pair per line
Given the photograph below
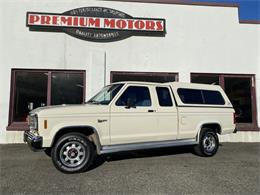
x,y
33,122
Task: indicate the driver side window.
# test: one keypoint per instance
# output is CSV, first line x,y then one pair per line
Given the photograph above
x,y
135,96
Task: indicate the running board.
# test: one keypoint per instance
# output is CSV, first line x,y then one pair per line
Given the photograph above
x,y
146,145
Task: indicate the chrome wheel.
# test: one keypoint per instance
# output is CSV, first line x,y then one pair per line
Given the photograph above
x,y
209,143
72,154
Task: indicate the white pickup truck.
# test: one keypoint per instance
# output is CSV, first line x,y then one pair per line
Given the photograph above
x,y
127,116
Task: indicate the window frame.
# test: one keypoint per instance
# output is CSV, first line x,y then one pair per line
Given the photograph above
x,y
21,126
202,97
124,90
158,98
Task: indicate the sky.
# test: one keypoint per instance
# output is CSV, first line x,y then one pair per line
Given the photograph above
x,y
249,9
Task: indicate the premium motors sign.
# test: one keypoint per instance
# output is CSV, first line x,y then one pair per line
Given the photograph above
x,y
98,24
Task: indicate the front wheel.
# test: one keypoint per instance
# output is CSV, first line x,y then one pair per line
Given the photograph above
x,y
73,153
208,143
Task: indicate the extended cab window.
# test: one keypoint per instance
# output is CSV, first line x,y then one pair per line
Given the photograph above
x,y
135,96
164,96
190,96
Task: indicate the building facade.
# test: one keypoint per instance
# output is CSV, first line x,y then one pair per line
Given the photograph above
x,y
62,52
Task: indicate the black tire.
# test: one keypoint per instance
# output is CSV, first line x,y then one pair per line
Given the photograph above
x,y
208,143
73,153
47,151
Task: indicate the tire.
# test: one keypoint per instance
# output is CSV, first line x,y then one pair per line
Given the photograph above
x,y
208,143
73,153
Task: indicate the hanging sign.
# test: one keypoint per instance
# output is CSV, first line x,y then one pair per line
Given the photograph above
x,y
98,24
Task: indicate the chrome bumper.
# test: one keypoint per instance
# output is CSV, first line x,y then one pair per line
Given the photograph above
x,y
33,141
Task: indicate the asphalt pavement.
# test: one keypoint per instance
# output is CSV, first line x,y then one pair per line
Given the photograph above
x,y
235,169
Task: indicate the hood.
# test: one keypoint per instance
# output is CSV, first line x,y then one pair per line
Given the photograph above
x,y
67,110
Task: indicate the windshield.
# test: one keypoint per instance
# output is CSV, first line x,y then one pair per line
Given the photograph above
x,y
106,95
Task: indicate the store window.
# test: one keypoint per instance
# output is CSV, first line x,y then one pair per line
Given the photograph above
x,y
159,77
30,92
66,88
31,89
241,91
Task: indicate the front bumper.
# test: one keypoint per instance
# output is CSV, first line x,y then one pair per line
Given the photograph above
x,y
33,141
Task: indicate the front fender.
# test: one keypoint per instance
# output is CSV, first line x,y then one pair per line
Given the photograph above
x,y
100,137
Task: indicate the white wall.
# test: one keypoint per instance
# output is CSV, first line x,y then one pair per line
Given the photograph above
x,y
199,39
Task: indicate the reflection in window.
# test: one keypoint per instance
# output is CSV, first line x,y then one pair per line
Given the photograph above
x,y
66,88
30,93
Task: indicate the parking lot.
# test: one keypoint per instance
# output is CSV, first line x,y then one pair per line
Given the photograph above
x,y
234,170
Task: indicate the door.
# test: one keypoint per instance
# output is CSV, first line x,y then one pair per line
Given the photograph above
x,y
133,116
166,114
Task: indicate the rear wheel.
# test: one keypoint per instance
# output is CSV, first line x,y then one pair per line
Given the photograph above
x,y
208,143
73,153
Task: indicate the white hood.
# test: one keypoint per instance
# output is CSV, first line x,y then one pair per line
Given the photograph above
x,y
65,110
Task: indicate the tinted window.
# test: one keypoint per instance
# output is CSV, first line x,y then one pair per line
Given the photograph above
x,y
164,96
190,96
213,97
135,96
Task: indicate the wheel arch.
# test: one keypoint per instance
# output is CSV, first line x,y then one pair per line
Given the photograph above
x,y
215,126
88,131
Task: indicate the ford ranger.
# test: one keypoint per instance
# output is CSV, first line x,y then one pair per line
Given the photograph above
x,y
127,116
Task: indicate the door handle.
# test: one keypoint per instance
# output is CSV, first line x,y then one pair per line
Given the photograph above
x,y
151,110
101,121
